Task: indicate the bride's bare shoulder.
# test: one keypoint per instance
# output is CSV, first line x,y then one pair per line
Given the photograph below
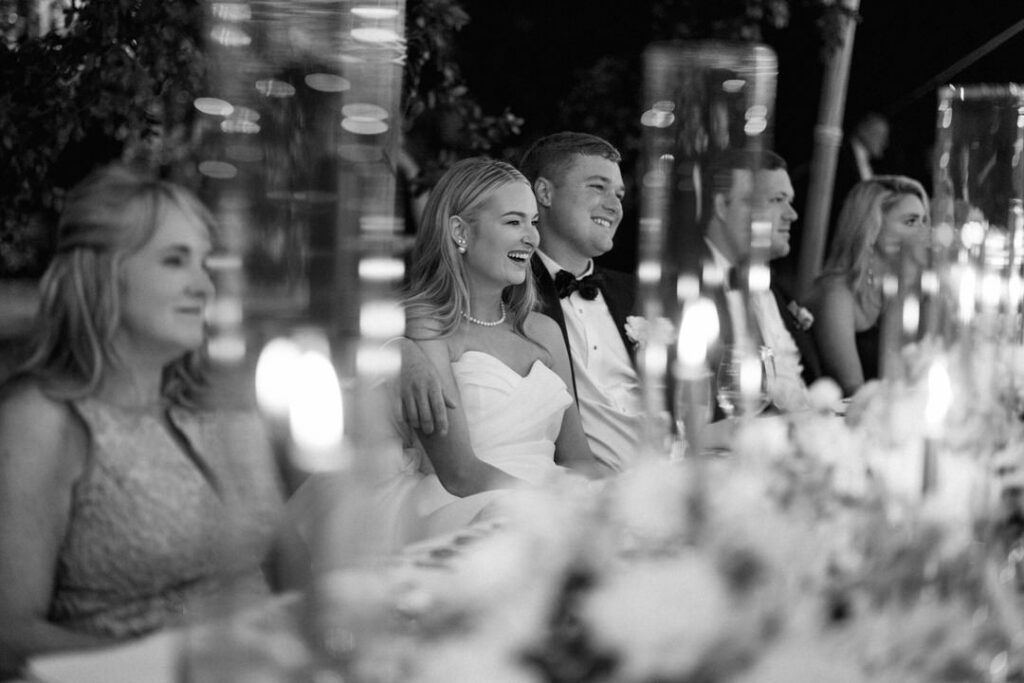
x,y
539,325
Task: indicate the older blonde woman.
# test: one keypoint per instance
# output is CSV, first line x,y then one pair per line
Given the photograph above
x,y
125,498
878,215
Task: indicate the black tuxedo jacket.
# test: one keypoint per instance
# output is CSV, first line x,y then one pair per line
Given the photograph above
x,y
618,290
803,338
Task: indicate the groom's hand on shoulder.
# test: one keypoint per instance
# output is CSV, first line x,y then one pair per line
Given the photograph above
x,y
424,404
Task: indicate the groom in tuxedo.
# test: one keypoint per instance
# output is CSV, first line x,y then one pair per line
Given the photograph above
x,y
579,190
739,181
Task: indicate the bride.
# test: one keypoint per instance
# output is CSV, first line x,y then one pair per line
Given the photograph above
x,y
471,313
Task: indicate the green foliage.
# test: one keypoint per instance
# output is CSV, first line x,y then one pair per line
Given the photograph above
x,y
119,79
602,99
744,20
119,83
442,121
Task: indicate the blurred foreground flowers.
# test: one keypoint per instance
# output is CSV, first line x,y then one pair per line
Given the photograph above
x,y
809,553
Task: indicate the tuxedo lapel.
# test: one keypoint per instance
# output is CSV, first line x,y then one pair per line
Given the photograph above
x,y
550,305
547,296
804,342
619,292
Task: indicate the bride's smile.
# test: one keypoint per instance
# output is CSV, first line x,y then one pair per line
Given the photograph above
x,y
501,237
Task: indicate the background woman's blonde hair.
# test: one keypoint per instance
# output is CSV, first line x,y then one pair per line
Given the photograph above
x,y
106,218
439,288
860,223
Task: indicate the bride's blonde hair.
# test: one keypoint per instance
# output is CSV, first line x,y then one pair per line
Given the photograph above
x,y
439,289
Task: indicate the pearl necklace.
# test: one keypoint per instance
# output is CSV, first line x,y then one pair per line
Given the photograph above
x,y
484,323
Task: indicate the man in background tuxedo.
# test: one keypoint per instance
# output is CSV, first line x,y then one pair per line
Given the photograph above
x,y
579,189
858,160
732,192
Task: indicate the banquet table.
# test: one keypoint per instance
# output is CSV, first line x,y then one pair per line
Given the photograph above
x,y
269,625
808,551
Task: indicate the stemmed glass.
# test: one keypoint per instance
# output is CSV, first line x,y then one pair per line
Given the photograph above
x,y
744,379
692,397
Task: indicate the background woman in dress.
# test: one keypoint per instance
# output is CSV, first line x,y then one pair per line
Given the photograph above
x,y
124,497
878,216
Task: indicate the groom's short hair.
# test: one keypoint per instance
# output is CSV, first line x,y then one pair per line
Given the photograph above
x,y
551,155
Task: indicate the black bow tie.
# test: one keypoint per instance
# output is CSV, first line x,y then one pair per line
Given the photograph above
x,y
733,279
566,283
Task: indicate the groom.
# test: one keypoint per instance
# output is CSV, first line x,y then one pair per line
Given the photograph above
x,y
579,190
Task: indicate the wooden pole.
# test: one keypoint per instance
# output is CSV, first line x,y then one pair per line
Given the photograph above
x,y
828,136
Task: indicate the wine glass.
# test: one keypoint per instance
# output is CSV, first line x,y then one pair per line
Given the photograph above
x,y
692,401
743,381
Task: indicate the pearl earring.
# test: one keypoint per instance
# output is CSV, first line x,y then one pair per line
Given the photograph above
x,y
461,248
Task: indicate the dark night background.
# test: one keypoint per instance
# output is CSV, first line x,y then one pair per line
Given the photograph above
x,y
528,56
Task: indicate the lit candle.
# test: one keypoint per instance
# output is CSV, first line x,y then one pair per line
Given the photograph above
x,y
697,331
274,375
298,392
940,396
315,415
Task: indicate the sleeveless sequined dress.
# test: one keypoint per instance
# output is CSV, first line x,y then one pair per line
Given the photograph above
x,y
166,513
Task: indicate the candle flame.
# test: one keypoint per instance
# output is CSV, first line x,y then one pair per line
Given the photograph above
x,y
967,293
274,376
972,234
697,331
911,315
750,376
315,413
991,290
296,381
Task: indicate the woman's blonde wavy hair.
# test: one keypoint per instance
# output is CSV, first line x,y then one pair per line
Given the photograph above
x,y
439,288
106,218
860,223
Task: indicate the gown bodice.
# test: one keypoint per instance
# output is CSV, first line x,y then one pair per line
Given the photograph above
x,y
169,510
513,420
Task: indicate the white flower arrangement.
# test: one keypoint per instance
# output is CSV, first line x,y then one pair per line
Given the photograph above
x,y
640,330
804,318
806,555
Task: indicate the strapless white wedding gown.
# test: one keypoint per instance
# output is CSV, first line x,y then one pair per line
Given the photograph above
x,y
513,423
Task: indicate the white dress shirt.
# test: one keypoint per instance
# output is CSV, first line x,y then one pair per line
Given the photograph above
x,y
607,386
788,391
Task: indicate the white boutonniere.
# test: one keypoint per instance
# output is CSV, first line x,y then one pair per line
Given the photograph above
x,y
639,330
804,318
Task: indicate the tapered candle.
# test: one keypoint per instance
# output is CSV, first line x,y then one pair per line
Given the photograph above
x,y
697,330
940,397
